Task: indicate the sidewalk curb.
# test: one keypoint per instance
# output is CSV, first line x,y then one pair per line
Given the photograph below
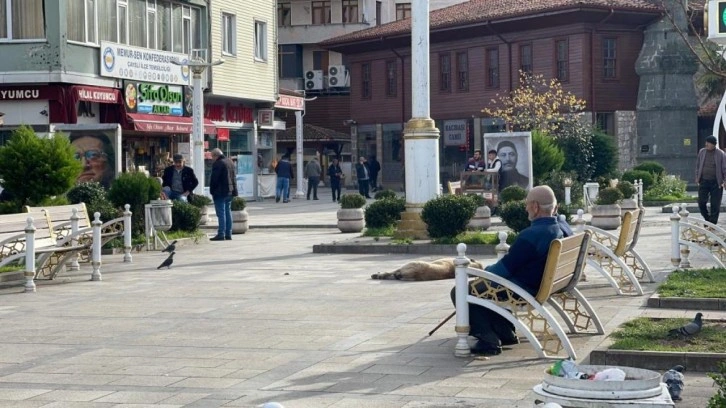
x,y
687,303
658,360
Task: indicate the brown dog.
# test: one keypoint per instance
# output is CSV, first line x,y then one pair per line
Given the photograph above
x,y
424,271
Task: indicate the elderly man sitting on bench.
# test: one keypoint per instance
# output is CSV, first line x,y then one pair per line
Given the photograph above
x,y
524,265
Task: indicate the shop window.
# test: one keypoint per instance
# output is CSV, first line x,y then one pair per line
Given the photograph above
x,y
284,14
228,34
445,72
609,55
525,58
350,11
260,41
289,61
403,10
26,21
81,16
321,12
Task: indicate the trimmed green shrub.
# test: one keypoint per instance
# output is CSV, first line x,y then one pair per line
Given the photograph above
x,y
448,215
238,204
33,168
652,167
348,201
387,193
478,200
105,208
546,155
575,140
610,195
514,214
57,200
627,188
9,207
605,159
512,193
569,211
86,193
185,217
199,200
646,176
668,188
384,212
136,190
556,181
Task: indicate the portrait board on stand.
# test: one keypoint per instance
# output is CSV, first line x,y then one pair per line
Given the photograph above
x,y
97,147
514,150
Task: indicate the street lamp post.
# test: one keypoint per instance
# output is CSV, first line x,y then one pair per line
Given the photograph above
x,y
198,64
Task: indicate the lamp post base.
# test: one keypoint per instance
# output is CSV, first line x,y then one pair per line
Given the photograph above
x,y
411,225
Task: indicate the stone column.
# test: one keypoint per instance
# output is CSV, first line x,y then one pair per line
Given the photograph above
x,y
667,109
421,137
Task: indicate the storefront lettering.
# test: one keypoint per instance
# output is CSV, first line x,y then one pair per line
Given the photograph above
x,y
20,94
160,94
221,113
88,95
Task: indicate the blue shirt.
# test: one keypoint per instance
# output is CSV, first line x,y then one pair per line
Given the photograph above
x,y
525,262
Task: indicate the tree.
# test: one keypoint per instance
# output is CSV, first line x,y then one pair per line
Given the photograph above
x,y
536,104
546,156
34,168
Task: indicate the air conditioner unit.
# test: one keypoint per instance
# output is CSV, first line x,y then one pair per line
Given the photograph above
x,y
314,80
338,76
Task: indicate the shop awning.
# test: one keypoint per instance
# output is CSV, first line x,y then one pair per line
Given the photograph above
x,y
144,122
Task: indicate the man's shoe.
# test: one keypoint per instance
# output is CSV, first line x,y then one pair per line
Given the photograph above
x,y
277,199
217,238
285,201
510,341
483,347
315,198
308,198
227,237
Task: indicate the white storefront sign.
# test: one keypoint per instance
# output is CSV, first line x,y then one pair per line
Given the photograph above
x,y
454,132
143,64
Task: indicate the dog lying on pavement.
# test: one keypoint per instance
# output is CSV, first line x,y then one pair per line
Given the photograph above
x,y
424,271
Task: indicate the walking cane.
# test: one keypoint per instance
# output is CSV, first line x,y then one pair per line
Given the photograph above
x,y
442,323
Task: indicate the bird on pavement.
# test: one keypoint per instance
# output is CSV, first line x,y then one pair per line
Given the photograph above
x,y
167,262
673,379
170,248
688,329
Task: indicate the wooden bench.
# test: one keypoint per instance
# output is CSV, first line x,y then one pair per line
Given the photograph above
x,y
46,256
454,187
615,256
565,262
62,218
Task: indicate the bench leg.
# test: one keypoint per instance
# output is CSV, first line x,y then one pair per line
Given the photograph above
x,y
640,269
614,270
576,311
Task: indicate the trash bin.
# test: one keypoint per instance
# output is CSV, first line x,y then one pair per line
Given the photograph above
x,y
160,214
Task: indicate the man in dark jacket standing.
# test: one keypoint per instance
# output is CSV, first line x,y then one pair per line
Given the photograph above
x,y
375,167
179,180
363,174
710,177
222,186
284,175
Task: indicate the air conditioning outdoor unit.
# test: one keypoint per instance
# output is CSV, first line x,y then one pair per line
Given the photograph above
x,y
338,76
314,80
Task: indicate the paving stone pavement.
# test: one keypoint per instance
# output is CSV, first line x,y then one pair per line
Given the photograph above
x,y
260,318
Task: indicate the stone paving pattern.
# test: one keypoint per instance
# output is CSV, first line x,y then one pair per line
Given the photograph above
x,y
260,318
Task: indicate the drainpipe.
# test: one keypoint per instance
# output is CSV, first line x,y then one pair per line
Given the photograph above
x,y
509,53
593,31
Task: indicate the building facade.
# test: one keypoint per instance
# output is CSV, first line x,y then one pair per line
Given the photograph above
x,y
477,51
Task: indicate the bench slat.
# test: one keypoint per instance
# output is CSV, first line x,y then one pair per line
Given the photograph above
x,y
60,214
563,260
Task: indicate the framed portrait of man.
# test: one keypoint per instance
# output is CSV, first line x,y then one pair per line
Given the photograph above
x,y
514,151
98,148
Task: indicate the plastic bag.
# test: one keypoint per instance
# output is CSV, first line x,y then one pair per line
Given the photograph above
x,y
610,374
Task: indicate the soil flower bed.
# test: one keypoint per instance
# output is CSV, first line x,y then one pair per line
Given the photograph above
x,y
652,334
695,283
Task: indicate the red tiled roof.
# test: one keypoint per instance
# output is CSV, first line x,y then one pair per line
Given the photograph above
x,y
477,11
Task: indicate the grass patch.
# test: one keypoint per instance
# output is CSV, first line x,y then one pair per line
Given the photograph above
x,y
652,334
475,238
695,283
380,232
11,268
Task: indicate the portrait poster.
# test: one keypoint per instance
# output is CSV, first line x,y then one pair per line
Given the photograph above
x,y
245,175
98,148
514,150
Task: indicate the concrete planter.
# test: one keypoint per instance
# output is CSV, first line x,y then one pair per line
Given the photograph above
x,y
239,222
204,211
351,220
628,204
481,220
606,216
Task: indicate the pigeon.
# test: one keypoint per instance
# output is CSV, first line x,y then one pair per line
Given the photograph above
x,y
170,248
688,329
167,262
674,381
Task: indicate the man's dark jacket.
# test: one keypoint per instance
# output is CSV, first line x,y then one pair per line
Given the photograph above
x,y
188,179
223,181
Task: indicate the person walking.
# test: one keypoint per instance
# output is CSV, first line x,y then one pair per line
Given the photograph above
x,y
284,175
179,180
312,173
375,167
363,174
710,176
222,186
335,172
